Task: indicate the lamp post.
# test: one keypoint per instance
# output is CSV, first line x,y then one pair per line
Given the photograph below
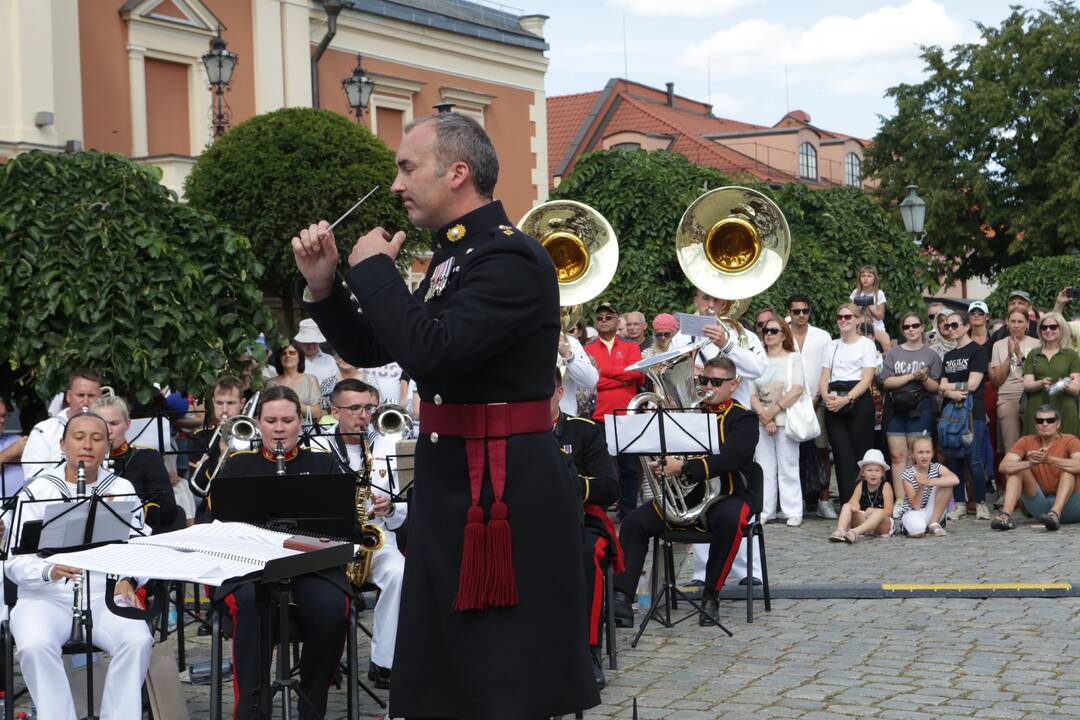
x,y
358,88
913,212
219,63
444,107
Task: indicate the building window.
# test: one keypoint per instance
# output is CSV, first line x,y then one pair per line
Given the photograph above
x,y
852,170
626,146
807,162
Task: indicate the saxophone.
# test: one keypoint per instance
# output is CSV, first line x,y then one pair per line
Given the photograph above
x,y
371,535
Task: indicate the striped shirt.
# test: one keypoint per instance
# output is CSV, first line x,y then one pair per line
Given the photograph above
x,y
908,476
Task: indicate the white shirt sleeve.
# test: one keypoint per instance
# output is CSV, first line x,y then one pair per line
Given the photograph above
x,y
579,368
27,570
751,362
867,353
42,450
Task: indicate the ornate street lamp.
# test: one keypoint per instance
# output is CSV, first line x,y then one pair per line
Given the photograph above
x,y
219,63
913,211
358,88
444,107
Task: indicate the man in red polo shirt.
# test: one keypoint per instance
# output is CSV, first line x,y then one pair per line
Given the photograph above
x,y
615,388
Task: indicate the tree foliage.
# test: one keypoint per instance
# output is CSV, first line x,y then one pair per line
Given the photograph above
x,y
276,173
100,267
1042,278
834,232
992,139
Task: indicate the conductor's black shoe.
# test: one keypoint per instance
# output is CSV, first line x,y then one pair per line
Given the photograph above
x,y
756,581
710,608
379,675
598,668
624,610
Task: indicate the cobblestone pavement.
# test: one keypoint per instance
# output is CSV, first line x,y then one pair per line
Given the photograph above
x,y
899,659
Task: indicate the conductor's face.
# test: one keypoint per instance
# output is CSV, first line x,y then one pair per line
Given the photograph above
x,y
425,192
279,421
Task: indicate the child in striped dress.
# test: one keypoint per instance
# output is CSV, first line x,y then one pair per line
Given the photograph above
x,y
924,507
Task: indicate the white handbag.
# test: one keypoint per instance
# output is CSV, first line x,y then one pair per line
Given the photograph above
x,y
801,423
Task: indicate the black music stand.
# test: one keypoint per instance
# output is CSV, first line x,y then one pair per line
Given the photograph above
x,y
284,502
668,427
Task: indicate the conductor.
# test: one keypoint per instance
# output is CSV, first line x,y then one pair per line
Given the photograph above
x,y
490,624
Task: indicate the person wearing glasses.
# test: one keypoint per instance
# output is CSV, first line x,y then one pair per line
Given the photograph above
x,y
770,396
350,440
1040,471
664,328
810,342
963,374
848,366
1006,372
763,317
1052,374
733,465
910,374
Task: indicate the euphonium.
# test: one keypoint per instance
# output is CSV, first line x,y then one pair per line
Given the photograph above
x,y
371,535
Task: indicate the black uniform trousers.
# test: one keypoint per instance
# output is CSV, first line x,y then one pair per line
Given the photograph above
x,y
851,434
726,519
321,612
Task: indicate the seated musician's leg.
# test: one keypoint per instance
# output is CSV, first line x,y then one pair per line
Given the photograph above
x,y
322,609
40,625
726,520
245,650
129,643
387,568
634,534
594,559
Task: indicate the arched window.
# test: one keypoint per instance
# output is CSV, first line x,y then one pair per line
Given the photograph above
x,y
852,170
626,146
807,162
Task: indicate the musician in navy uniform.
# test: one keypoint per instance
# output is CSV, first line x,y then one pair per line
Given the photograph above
x,y
482,636
321,598
598,488
733,465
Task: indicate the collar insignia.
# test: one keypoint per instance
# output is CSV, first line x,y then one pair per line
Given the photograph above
x,y
506,230
456,233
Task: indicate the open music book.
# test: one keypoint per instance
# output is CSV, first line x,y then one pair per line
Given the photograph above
x,y
209,554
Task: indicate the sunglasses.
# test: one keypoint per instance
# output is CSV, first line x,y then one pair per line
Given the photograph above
x,y
715,382
605,318
912,326
951,326
662,334
1045,420
800,311
848,316
771,331
1044,328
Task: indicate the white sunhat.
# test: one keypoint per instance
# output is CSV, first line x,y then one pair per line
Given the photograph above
x,y
873,457
309,332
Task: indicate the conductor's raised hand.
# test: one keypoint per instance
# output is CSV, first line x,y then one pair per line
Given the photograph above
x,y
375,242
316,258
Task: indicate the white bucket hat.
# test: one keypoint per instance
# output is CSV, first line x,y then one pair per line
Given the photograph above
x,y
309,332
873,457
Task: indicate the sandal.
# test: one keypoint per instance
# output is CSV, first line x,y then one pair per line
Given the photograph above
x,y
1051,520
850,537
1003,521
936,530
837,536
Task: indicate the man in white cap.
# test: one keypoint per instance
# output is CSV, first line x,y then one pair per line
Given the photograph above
x,y
317,363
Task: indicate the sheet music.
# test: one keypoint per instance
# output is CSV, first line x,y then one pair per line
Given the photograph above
x,y
694,325
688,433
68,530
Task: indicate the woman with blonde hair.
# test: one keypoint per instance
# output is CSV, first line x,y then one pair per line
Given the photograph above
x,y
1006,372
1048,365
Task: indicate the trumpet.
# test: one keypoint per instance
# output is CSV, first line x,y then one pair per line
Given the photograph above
x,y
77,635
240,432
391,419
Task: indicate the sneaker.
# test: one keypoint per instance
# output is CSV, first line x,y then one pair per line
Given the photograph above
x,y
794,521
1050,520
936,530
982,512
837,536
957,512
850,537
826,510
1003,521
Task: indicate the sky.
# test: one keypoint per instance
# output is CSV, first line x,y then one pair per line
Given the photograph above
x,y
756,59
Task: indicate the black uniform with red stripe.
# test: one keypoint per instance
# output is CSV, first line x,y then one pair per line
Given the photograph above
x,y
584,440
725,519
145,470
321,601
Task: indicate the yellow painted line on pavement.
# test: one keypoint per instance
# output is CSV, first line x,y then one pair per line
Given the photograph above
x,y
907,587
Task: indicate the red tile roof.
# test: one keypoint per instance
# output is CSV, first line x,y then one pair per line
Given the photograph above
x,y
565,114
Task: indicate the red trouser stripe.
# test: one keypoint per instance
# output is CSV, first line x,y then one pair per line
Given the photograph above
x,y
599,551
744,515
230,601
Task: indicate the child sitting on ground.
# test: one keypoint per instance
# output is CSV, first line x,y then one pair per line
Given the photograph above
x,y
870,506
924,506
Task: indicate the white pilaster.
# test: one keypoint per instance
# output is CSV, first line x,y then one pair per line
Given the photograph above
x,y
538,145
140,146
296,52
267,62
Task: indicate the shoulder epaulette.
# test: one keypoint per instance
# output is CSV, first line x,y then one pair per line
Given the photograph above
x,y
317,449
581,419
234,453
142,447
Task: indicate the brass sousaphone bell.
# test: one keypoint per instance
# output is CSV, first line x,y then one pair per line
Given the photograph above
x,y
583,247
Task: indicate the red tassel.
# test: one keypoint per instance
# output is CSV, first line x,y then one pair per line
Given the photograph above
x,y
503,588
475,569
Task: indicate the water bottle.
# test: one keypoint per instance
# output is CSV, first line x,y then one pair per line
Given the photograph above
x,y
1059,386
645,595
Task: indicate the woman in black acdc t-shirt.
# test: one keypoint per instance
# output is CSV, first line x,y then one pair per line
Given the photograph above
x,y
963,373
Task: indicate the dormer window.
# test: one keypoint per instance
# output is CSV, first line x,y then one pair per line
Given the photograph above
x,y
808,162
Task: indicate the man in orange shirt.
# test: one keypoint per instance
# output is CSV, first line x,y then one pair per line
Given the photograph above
x,y
1041,472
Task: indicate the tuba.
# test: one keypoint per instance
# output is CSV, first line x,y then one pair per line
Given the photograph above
x,y
584,249
732,243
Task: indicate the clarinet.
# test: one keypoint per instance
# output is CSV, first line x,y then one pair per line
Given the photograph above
x,y
279,458
81,581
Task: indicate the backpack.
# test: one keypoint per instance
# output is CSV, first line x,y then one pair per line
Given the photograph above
x,y
955,427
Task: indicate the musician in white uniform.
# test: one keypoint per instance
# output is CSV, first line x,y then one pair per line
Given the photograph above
x,y
352,403
750,363
581,374
41,619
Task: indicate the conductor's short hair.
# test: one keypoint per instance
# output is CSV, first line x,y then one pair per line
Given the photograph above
x,y
459,138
